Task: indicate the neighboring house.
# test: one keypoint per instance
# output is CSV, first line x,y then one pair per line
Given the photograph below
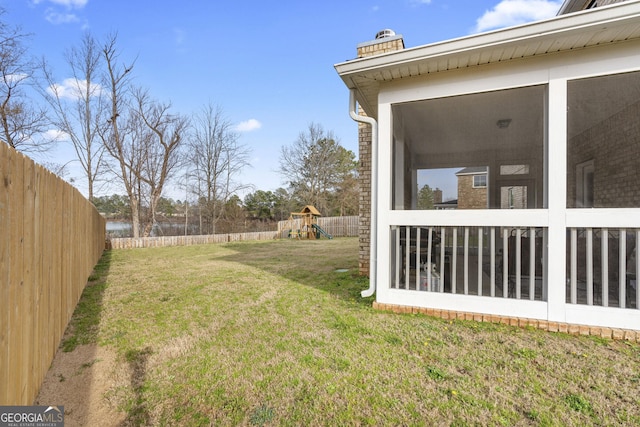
x,y
472,188
551,110
448,205
474,191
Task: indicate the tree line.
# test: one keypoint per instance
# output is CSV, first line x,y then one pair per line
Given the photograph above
x,y
259,210
123,136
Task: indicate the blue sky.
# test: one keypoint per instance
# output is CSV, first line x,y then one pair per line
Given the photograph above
x,y
267,64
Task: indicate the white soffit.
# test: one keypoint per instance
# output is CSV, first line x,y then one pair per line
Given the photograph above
x,y
609,24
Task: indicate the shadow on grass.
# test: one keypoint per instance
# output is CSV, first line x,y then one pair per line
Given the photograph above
x,y
330,266
82,330
137,411
84,324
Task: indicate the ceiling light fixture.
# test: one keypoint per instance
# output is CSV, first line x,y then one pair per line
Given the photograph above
x,y
503,123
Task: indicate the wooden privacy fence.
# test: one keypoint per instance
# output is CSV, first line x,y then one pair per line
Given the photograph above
x,y
340,226
51,237
343,226
154,242
336,226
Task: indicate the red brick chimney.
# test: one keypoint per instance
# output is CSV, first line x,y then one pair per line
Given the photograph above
x,y
385,41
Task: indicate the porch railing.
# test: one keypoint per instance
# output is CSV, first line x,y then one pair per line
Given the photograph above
x,y
504,262
602,266
509,262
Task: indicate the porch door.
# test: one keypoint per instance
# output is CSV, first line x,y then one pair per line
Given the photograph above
x,y
516,194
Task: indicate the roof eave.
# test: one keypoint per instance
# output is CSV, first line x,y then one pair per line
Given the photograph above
x,y
355,72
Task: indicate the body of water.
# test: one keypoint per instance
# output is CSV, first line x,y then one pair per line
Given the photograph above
x,y
124,229
118,226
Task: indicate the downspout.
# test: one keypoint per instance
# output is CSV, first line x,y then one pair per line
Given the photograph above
x,y
373,249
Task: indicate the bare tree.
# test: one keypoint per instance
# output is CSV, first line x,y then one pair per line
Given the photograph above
x,y
143,137
216,159
22,126
344,197
163,136
315,167
77,106
120,132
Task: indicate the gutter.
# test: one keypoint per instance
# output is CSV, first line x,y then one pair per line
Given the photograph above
x,y
373,248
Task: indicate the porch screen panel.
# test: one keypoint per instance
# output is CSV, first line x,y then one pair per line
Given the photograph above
x,y
603,150
603,142
475,151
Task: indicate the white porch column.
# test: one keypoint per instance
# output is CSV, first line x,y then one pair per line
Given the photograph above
x,y
557,196
385,183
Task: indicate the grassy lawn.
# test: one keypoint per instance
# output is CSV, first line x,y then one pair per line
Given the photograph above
x,y
269,333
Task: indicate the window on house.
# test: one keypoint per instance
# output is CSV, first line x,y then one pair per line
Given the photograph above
x,y
514,197
603,142
476,141
584,185
514,169
479,181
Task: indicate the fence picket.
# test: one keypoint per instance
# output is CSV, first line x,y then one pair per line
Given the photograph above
x,y
16,266
5,243
51,238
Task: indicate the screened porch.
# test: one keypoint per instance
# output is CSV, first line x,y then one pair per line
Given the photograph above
x,y
470,194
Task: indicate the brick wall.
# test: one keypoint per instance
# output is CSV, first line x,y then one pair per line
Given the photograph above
x,y
375,47
545,325
469,197
364,200
614,147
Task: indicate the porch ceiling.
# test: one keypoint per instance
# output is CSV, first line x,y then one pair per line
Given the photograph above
x,y
464,130
609,24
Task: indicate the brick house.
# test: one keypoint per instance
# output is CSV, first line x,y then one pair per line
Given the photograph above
x,y
550,110
472,188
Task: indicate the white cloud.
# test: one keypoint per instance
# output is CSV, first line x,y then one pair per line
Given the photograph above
x,y
248,125
70,4
55,135
419,2
60,11
16,79
73,89
60,18
514,12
